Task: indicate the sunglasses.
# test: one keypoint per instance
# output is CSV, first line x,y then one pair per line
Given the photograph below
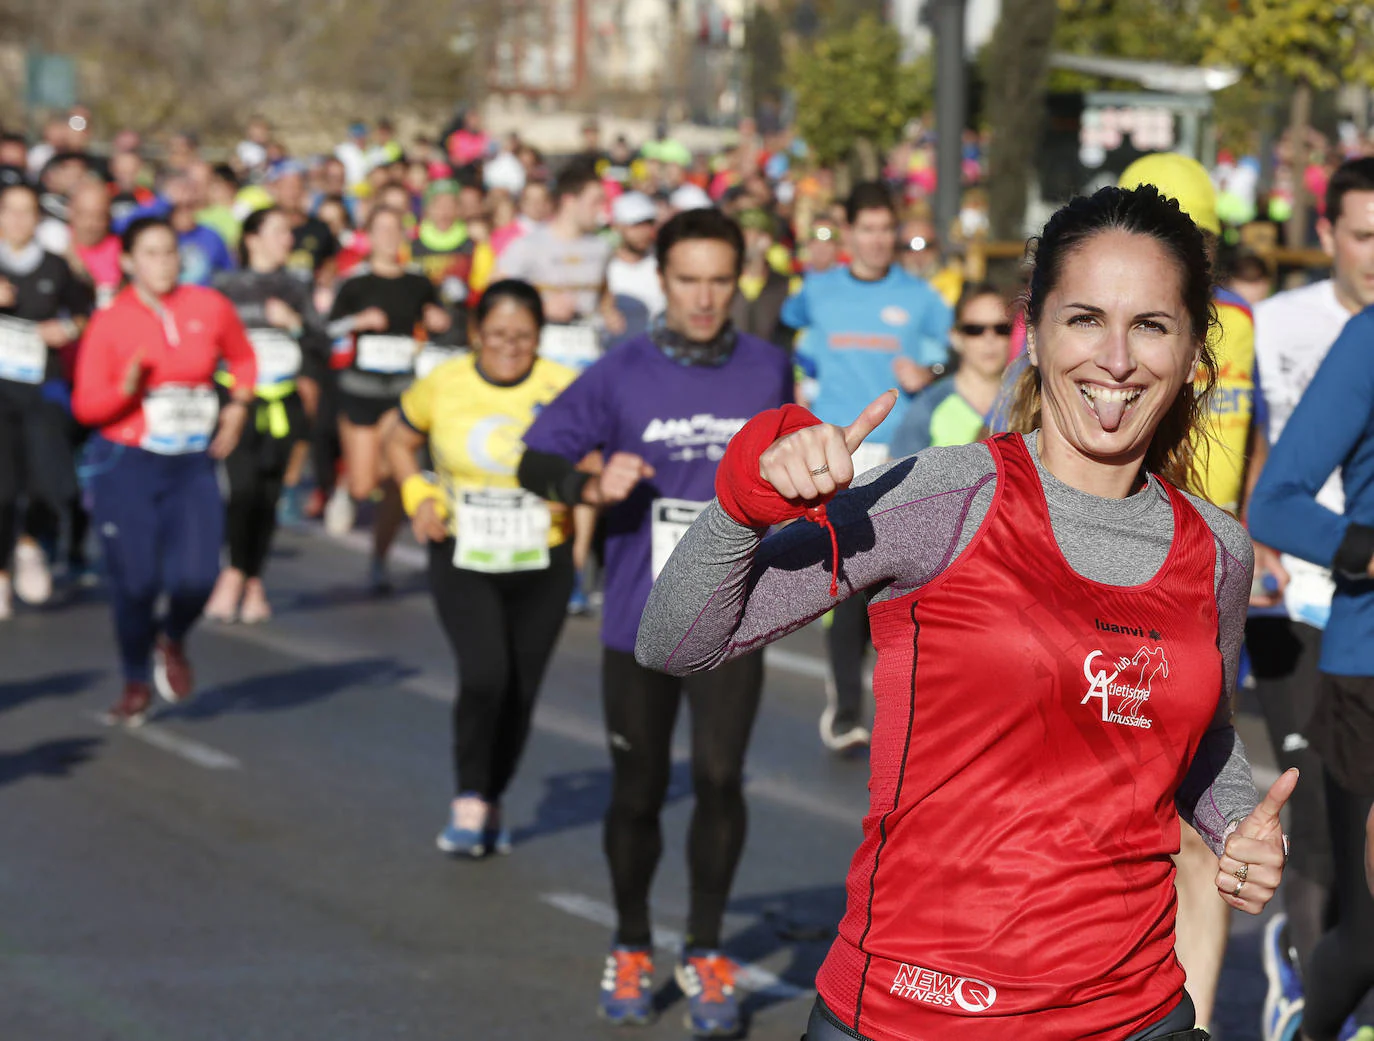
x,y
976,329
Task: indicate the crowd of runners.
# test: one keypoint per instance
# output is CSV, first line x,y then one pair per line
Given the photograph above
x,y
708,399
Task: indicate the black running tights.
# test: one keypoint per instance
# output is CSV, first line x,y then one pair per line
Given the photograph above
x,y
641,709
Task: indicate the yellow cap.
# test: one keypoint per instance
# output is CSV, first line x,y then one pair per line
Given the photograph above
x,y
1180,178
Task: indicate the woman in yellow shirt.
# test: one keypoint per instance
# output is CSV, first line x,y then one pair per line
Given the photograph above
x,y
500,559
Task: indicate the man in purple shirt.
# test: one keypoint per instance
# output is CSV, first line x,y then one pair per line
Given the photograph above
x,y
661,408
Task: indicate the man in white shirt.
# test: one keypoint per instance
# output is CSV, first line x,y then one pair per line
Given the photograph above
x,y
633,271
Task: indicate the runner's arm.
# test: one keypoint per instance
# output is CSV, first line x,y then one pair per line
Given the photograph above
x,y
1329,421
1218,789
728,590
99,397
574,424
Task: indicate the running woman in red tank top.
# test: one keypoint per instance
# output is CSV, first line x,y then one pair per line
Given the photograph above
x,y
1057,626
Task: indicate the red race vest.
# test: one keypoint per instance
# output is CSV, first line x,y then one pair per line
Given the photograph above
x,y
1031,729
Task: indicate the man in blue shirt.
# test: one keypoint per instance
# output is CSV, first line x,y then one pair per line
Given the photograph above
x,y
203,252
865,327
1333,428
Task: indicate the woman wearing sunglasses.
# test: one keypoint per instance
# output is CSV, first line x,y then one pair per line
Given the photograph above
x,y
954,409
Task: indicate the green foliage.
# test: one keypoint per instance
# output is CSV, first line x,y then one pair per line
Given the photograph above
x,y
1320,43
1160,30
851,86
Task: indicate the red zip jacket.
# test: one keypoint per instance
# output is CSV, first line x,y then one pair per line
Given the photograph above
x,y
184,345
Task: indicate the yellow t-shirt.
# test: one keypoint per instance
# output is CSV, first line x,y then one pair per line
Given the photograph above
x,y
475,427
1233,403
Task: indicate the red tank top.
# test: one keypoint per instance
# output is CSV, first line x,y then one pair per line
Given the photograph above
x,y
1031,729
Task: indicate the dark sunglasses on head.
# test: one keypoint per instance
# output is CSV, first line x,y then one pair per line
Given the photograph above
x,y
975,329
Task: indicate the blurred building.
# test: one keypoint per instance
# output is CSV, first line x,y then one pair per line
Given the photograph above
x,y
623,53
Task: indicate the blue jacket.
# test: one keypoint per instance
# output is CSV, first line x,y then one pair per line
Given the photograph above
x,y
1332,427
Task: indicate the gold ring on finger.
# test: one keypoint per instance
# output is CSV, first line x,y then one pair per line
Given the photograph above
x,y
816,471
1239,886
1244,872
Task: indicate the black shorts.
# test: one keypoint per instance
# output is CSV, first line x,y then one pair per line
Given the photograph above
x,y
1342,730
364,412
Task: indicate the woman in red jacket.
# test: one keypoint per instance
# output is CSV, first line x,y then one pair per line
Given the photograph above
x,y
1058,628
145,381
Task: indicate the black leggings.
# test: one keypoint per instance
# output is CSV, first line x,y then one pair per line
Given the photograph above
x,y
847,640
502,629
35,463
1343,963
1283,661
255,469
324,433
641,709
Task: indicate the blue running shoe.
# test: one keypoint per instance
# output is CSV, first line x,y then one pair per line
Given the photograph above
x,y
1284,1002
578,604
626,995
463,838
290,508
1352,1031
708,980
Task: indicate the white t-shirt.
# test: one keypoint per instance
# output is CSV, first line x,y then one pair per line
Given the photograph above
x,y
1293,332
638,280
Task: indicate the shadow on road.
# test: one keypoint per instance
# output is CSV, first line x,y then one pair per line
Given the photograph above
x,y
353,594
579,798
292,688
55,758
60,684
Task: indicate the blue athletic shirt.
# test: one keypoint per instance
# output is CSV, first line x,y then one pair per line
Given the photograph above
x,y
1332,427
854,330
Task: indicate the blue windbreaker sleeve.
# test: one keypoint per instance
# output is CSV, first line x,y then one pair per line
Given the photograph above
x,y
1329,421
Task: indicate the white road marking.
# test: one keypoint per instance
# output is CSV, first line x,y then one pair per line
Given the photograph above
x,y
182,747
751,977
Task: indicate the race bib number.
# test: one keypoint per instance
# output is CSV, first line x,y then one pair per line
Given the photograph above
x,y
386,355
1308,594
575,346
23,354
502,530
431,357
278,354
867,456
669,521
179,420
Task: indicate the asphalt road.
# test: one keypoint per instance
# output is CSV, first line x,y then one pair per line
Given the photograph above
x,y
259,864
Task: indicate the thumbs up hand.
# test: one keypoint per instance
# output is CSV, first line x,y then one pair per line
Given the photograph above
x,y
815,462
1252,865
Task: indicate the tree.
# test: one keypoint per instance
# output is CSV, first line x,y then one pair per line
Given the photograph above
x,y
1019,58
854,96
1161,30
1314,45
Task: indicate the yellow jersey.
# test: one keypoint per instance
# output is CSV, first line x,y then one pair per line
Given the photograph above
x,y
475,428
1232,408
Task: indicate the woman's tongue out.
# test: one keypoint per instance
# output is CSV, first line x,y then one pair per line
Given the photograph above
x,y
1108,405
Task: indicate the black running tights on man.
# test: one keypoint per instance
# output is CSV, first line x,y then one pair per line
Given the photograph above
x,y
641,709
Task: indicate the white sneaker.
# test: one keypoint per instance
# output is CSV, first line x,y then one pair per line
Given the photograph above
x,y
6,601
339,513
32,579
